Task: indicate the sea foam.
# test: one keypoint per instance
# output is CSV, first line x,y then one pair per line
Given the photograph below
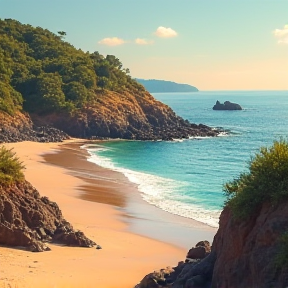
x,y
158,191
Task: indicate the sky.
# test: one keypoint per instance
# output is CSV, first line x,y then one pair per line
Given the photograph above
x,y
210,44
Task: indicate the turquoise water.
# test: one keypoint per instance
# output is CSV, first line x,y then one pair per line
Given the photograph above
x,y
186,177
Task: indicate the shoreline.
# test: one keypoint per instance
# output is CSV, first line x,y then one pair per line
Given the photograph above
x,y
110,221
125,197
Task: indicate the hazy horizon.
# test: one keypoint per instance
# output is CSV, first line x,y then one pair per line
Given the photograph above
x,y
212,45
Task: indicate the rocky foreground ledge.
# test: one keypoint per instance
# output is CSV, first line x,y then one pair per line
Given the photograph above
x,y
32,221
244,254
193,272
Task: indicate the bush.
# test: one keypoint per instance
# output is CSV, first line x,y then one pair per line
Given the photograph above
x,y
267,180
282,255
11,169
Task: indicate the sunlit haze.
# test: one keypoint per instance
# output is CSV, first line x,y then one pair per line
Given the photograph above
x,y
213,45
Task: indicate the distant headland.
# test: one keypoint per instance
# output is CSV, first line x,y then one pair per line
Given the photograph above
x,y
162,86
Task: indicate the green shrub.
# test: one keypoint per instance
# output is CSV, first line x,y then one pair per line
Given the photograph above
x,y
267,180
281,258
10,167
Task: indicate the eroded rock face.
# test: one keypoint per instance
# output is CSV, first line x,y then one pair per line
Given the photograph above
x,y
195,272
246,251
136,115
19,127
32,221
243,254
226,106
129,116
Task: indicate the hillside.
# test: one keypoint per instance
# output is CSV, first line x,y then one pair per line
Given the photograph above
x,y
84,94
162,86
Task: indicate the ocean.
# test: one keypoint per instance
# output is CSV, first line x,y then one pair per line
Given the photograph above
x,y
186,177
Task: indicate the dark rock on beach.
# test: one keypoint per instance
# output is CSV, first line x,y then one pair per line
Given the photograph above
x,y
200,251
244,254
195,272
19,127
32,221
226,106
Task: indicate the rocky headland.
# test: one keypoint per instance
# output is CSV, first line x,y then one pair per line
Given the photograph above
x,y
31,221
48,86
127,116
226,106
115,116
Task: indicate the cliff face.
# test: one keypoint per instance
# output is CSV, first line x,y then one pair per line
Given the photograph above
x,y
32,221
246,251
244,254
125,115
19,127
114,115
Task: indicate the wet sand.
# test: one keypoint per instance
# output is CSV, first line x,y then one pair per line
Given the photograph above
x,y
136,237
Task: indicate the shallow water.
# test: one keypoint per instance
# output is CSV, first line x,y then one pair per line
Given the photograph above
x,y
186,177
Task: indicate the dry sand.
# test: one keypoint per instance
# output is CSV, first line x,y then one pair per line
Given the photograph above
x,y
68,179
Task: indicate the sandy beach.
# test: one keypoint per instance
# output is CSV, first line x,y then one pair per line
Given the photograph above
x,y
136,237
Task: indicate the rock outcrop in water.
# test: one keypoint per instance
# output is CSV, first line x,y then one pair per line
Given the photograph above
x,y
226,106
32,221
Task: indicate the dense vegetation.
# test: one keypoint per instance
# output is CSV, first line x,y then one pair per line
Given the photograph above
x,y
161,86
10,167
41,73
267,180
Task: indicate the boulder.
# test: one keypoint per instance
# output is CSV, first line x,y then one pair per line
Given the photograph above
x,y
31,221
200,251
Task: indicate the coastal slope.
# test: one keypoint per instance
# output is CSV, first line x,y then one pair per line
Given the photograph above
x,y
86,95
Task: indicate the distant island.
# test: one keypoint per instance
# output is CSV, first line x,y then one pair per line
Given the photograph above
x,y
162,86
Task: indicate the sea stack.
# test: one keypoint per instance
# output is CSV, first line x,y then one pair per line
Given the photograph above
x,y
226,106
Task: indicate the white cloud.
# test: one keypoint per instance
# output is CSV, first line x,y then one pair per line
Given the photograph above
x,y
164,32
114,41
141,41
281,35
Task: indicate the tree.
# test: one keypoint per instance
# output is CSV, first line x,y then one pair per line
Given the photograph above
x,y
43,94
114,61
76,93
62,34
103,82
